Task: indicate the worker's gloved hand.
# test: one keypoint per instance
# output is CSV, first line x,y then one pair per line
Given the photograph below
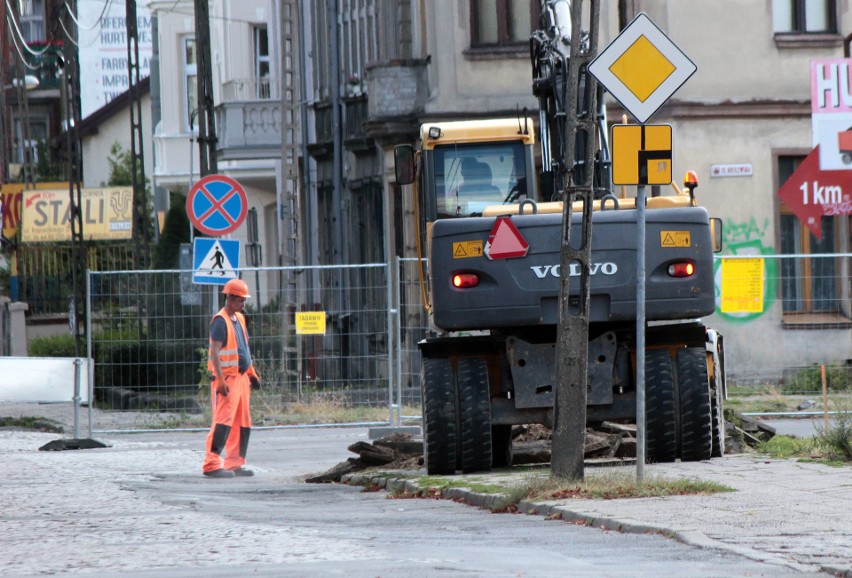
x,y
255,382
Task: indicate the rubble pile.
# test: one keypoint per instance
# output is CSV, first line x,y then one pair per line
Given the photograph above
x,y
607,443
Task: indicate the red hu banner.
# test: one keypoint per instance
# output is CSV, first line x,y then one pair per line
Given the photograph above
x,y
812,194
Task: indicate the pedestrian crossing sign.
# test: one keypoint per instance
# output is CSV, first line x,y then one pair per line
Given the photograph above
x,y
215,261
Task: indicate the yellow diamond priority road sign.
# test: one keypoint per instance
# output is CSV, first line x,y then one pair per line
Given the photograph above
x,y
642,68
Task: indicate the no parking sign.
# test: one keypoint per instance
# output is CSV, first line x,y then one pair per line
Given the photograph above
x,y
216,205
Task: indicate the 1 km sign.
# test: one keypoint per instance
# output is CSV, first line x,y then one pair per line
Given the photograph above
x,y
216,205
812,193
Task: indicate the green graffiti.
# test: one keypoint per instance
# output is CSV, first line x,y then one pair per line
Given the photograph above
x,y
747,239
740,232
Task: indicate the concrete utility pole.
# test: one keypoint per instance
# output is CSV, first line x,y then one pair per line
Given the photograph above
x,y
141,228
71,91
4,130
572,345
207,140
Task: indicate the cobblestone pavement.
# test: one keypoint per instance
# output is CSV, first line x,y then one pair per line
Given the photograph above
x,y
795,514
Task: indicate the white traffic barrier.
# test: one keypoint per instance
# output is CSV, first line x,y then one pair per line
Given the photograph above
x,y
43,379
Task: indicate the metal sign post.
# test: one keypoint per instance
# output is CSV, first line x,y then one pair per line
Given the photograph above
x,y
640,333
642,68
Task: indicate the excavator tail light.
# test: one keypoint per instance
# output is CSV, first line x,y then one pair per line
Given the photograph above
x,y
682,269
465,280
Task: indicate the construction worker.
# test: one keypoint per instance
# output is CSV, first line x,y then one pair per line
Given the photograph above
x,y
229,362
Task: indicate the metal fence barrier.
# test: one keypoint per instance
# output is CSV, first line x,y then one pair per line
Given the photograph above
x,y
786,320
148,336
787,323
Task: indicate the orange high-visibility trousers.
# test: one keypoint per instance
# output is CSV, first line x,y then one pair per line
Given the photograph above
x,y
231,425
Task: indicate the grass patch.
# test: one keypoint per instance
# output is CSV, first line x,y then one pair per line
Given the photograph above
x,y
31,423
539,486
770,399
832,446
617,485
836,441
268,410
787,447
442,484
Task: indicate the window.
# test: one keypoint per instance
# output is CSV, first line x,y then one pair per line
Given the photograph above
x,y
804,16
32,20
809,285
261,62
469,178
497,23
26,150
190,80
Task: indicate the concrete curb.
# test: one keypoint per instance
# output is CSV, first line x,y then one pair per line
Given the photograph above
x,y
591,519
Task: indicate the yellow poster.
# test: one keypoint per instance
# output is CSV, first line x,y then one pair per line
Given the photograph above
x,y
310,323
742,285
106,215
10,200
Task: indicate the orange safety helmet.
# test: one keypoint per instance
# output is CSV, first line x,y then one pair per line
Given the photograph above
x,y
237,288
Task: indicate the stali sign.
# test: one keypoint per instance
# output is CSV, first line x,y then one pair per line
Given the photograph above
x,y
10,204
106,215
812,194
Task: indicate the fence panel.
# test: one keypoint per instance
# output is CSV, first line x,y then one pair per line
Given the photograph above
x,y
785,318
413,326
148,335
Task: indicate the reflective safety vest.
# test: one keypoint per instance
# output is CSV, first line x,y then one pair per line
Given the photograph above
x,y
229,358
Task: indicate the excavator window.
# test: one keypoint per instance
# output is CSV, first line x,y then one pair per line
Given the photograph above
x,y
469,178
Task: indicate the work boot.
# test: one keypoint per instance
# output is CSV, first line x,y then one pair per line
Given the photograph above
x,y
242,472
220,473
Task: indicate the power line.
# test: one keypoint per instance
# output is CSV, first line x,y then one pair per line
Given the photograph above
x,y
98,22
16,40
13,25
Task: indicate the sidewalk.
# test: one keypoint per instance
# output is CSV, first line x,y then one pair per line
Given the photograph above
x,y
791,513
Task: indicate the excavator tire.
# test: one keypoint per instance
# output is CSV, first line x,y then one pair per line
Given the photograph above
x,y
475,414
696,423
439,416
660,415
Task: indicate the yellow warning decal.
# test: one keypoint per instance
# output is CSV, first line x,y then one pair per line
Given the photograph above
x,y
675,239
465,249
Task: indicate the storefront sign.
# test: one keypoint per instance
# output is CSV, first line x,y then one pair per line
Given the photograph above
x,y
106,215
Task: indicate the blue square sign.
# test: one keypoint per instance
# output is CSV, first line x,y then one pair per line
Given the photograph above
x,y
215,261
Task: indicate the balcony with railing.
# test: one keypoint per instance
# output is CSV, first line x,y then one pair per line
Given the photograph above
x,y
46,64
249,120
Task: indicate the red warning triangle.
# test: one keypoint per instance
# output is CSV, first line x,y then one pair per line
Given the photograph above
x,y
505,241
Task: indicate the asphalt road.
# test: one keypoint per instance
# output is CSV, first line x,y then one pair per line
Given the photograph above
x,y
799,427
141,508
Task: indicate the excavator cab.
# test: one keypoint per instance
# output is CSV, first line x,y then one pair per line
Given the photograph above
x,y
465,166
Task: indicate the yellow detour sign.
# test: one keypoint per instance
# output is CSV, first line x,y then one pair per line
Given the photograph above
x,y
106,214
641,154
742,285
310,323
